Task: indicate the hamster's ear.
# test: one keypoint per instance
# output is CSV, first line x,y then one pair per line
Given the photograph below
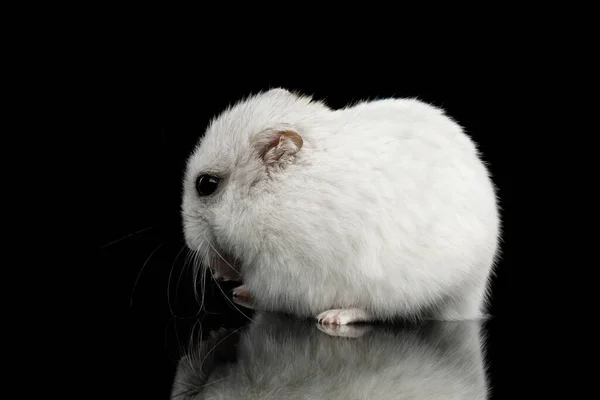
x,y
276,146
280,90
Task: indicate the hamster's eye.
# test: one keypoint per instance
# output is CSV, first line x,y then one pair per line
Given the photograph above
x,y
206,185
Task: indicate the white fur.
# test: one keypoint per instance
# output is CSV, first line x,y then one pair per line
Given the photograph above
x,y
279,358
387,207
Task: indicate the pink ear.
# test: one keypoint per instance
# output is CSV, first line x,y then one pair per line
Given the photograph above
x,y
275,146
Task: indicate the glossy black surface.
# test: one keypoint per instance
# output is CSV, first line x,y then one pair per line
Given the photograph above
x,y
276,357
160,316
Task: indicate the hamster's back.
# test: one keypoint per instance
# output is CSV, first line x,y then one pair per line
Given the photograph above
x,y
408,156
402,188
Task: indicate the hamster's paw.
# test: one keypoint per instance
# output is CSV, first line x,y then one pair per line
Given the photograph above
x,y
342,316
347,331
243,297
242,293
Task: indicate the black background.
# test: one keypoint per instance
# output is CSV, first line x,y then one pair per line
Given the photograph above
x,y
159,103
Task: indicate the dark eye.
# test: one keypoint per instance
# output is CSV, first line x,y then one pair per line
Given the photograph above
x,y
206,185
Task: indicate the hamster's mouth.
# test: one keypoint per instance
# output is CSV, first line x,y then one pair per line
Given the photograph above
x,y
223,267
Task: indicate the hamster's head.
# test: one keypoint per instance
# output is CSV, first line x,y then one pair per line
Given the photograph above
x,y
236,163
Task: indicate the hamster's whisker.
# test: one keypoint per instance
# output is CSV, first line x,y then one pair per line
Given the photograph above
x,y
195,276
192,261
215,250
203,281
169,281
186,262
197,268
129,235
195,388
186,393
191,345
186,351
177,339
142,270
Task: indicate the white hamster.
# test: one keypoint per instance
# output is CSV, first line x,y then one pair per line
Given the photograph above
x,y
381,210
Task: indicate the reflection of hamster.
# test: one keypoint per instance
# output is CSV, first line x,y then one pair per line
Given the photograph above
x,y
284,358
376,211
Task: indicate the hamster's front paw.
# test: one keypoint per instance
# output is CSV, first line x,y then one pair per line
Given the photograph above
x,y
242,293
343,316
243,297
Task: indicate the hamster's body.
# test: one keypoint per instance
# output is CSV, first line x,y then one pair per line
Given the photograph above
x,y
384,211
